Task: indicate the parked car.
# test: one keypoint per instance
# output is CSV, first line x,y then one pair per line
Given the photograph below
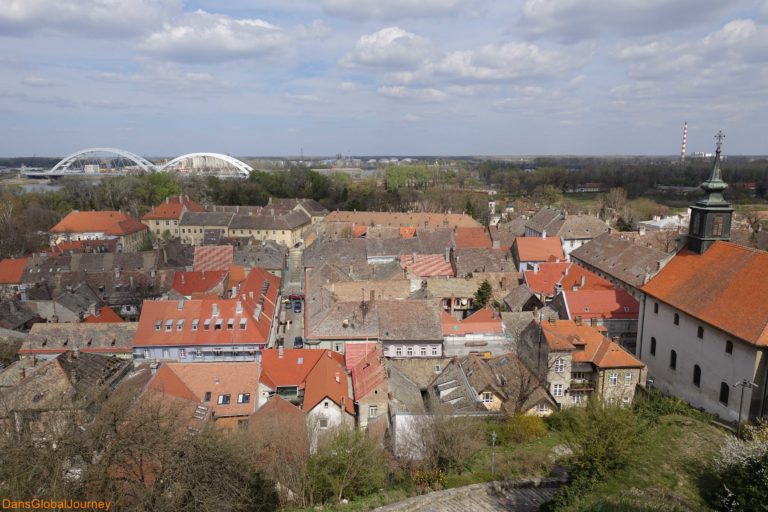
x,y
288,305
297,306
298,342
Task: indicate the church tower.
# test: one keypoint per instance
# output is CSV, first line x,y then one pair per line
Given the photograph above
x,y
711,215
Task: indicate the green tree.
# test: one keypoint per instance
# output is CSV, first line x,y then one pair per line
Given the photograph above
x,y
483,295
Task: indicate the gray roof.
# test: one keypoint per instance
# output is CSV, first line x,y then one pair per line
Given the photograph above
x,y
205,219
452,392
518,297
116,337
516,226
342,251
79,299
420,371
14,314
286,204
404,394
409,320
626,261
267,254
570,227
469,261
287,221
761,239
390,247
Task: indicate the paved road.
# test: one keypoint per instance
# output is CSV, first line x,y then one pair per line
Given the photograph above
x,y
521,496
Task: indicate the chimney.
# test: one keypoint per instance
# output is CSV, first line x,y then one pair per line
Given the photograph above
x,y
215,311
447,254
183,278
582,280
338,378
239,308
181,304
544,234
577,320
535,268
130,280
117,272
153,368
496,244
281,351
22,373
452,300
641,230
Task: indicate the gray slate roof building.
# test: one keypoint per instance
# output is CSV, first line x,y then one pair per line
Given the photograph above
x,y
206,219
472,261
267,254
621,260
569,227
47,339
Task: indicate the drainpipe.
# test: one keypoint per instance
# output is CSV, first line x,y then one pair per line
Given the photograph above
x,y
640,330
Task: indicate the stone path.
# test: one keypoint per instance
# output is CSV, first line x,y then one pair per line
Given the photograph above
x,y
514,496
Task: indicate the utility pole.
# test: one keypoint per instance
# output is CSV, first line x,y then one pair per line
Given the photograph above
x,y
743,383
493,452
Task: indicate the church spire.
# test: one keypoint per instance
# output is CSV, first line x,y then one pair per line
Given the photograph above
x,y
714,186
711,215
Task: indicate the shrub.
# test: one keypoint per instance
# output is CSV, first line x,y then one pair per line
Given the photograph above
x,y
523,429
562,420
743,485
654,405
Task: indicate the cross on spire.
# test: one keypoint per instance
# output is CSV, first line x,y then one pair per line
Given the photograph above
x,y
719,136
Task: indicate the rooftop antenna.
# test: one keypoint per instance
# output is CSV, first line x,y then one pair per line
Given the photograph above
x,y
685,138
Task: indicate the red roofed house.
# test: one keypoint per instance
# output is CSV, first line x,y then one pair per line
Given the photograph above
x,y
201,330
548,279
472,238
105,315
166,215
227,389
107,225
11,271
427,265
199,284
531,250
315,380
213,257
704,319
480,332
371,387
578,361
613,308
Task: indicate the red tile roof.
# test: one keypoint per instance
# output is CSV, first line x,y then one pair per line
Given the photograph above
x,y
407,232
482,321
355,352
320,373
328,379
167,382
587,345
726,287
107,222
368,373
535,248
242,311
566,274
106,316
609,304
194,282
172,209
230,378
427,265
359,231
213,257
472,238
11,270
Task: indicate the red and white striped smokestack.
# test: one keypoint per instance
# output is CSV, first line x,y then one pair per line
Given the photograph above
x,y
685,139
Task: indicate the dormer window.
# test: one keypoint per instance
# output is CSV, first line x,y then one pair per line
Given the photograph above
x,y
168,325
158,325
207,324
230,324
219,323
195,323
180,325
243,323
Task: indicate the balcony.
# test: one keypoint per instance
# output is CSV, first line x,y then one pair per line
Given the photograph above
x,y
581,385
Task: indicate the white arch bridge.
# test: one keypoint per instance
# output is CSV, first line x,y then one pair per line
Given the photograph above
x,y
115,162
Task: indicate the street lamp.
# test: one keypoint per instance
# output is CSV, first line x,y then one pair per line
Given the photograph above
x,y
493,449
743,383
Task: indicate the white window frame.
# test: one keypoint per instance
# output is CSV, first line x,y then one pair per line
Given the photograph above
x,y
613,379
559,365
557,390
627,378
244,398
541,408
487,397
409,351
182,353
373,411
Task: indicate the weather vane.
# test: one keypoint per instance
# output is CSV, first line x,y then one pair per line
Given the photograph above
x,y
719,136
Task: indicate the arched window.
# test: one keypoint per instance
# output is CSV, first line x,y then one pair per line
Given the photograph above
x,y
697,376
725,390
653,346
673,359
677,319
728,347
700,332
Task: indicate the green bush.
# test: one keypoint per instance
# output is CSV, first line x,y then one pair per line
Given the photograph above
x,y
654,405
523,429
743,486
562,420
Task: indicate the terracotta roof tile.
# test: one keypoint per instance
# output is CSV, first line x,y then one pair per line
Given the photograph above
x,y
213,257
566,274
106,315
427,265
11,270
355,352
189,283
328,379
587,345
726,287
611,303
534,248
107,222
472,238
368,373
172,209
417,220
485,320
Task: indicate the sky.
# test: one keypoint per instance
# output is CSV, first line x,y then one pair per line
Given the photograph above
x,y
383,77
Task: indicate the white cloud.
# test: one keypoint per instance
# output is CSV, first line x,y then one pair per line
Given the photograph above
x,y
38,81
573,20
315,30
398,9
306,99
85,18
348,86
206,37
409,93
390,47
167,79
